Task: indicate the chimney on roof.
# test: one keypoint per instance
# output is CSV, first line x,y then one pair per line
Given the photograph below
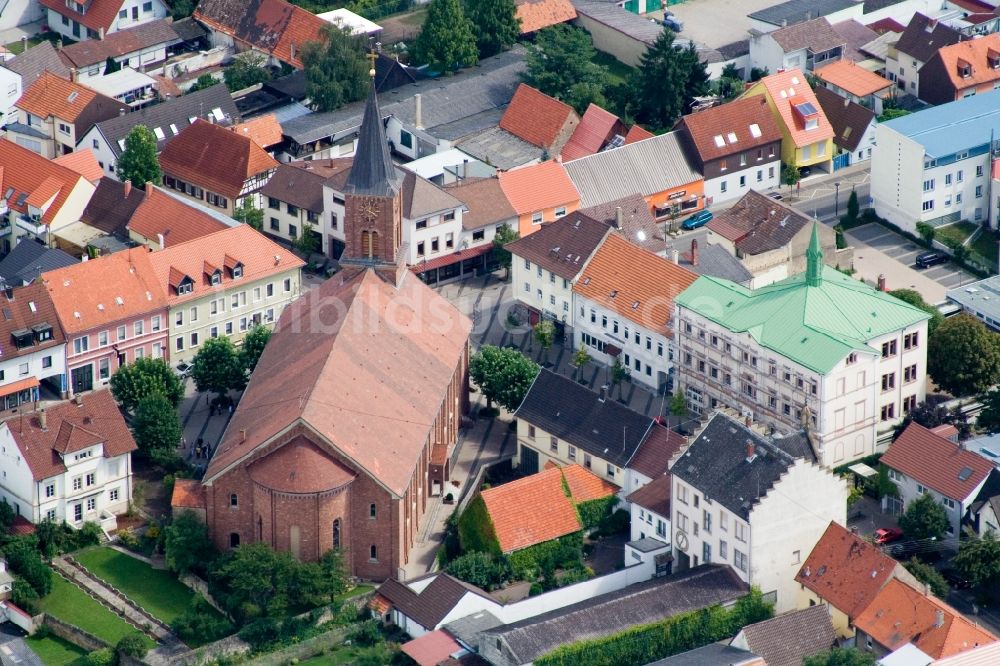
x,y
619,218
748,420
809,15
78,399
694,251
784,23
675,256
100,33
59,44
149,188
938,618
751,452
418,113
128,188
604,393
881,282
72,74
465,168
121,112
43,419
243,435
161,241
24,43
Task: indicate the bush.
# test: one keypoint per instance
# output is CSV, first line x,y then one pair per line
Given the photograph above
x,y
928,575
616,523
24,558
132,646
199,623
562,553
480,569
367,633
475,529
594,512
102,657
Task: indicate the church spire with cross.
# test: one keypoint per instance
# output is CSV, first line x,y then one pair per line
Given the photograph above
x,y
814,259
372,172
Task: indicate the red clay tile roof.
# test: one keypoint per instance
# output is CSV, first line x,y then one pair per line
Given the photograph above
x,y
845,571
24,172
899,614
637,133
732,125
276,27
539,186
400,347
300,467
585,486
45,193
885,25
531,510
484,200
937,462
250,247
654,496
535,117
215,158
976,54
31,306
84,163
596,128
635,283
70,427
20,526
50,95
853,78
787,89
100,14
432,648
178,222
653,456
111,288
264,130
188,494
537,14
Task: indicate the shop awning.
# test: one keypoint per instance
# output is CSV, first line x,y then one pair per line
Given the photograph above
x,y
449,259
612,350
863,470
18,386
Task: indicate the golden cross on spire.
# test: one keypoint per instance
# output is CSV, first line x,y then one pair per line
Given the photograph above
x,y
372,57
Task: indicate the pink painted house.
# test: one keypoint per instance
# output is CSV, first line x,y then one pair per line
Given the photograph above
x,y
112,313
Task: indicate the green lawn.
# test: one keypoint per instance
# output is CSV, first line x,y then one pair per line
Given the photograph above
x,y
156,590
959,231
620,72
70,604
54,651
355,591
342,654
986,245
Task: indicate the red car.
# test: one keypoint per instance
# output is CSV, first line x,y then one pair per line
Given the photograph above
x,y
887,535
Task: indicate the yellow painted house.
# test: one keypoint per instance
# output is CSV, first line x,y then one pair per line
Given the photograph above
x,y
806,134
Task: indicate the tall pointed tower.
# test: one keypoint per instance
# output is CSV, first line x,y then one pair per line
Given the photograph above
x,y
814,259
373,221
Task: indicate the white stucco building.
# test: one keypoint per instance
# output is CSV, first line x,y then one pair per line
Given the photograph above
x,y
92,20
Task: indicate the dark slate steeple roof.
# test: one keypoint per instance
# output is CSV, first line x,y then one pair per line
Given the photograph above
x,y
372,173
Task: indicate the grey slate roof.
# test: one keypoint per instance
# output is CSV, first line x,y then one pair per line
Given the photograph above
x,y
490,85
109,210
372,172
797,11
920,43
188,29
645,167
467,629
563,246
714,261
40,58
575,414
787,639
638,224
29,259
178,111
716,463
608,614
713,654
849,120
498,147
297,184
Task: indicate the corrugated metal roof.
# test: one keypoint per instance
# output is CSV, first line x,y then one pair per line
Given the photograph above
x,y
646,167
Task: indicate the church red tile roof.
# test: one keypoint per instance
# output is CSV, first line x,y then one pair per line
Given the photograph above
x,y
300,467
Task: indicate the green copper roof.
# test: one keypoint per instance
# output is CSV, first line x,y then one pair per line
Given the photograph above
x,y
814,259
813,319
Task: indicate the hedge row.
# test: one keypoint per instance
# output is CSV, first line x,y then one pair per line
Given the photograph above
x,y
563,553
593,512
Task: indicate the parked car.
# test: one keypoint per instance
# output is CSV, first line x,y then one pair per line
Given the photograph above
x,y
888,535
956,579
699,219
927,550
775,195
805,172
932,258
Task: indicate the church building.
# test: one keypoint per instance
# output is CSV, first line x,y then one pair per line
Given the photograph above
x,y
350,419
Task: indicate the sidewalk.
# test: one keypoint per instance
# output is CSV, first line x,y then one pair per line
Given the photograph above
x,y
200,423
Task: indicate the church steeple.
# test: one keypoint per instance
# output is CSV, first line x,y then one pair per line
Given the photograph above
x,y
372,173
814,259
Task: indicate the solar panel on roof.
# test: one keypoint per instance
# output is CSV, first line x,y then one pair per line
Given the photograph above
x,y
806,108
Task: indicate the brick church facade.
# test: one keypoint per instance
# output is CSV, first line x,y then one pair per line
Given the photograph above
x,y
349,421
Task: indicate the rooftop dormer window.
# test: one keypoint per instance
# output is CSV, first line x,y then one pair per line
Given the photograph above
x,y
215,278
22,338
43,332
964,69
993,59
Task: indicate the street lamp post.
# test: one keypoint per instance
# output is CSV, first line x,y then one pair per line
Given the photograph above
x,y
836,201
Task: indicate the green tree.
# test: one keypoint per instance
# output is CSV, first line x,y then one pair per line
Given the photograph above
x,y
619,373
914,298
790,176
200,624
447,40
979,560
157,429
580,360
495,23
924,518
144,377
23,557
730,83
132,645
505,234
853,207
247,213
246,69
545,333
217,368
308,241
989,417
336,71
963,356
182,8
481,569
668,79
202,82
253,346
503,375
138,162
678,403
561,64
839,656
111,66
186,544
926,231
928,575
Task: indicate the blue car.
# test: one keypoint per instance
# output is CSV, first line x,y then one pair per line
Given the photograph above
x,y
699,219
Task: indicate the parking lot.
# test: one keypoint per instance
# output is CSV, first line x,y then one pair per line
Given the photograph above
x,y
904,251
716,22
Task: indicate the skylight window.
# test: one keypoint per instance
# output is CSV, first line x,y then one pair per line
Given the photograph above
x,y
806,109
121,144
6,195
158,131
755,130
173,128
719,141
192,119
72,96
219,115
731,137
795,80
22,198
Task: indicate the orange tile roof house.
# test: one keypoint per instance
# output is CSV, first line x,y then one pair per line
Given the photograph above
x,y
38,197
537,14
854,82
961,70
223,284
275,27
264,130
96,18
163,220
540,120
596,130
902,614
143,48
921,461
215,165
112,311
53,112
539,193
536,509
74,459
32,344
